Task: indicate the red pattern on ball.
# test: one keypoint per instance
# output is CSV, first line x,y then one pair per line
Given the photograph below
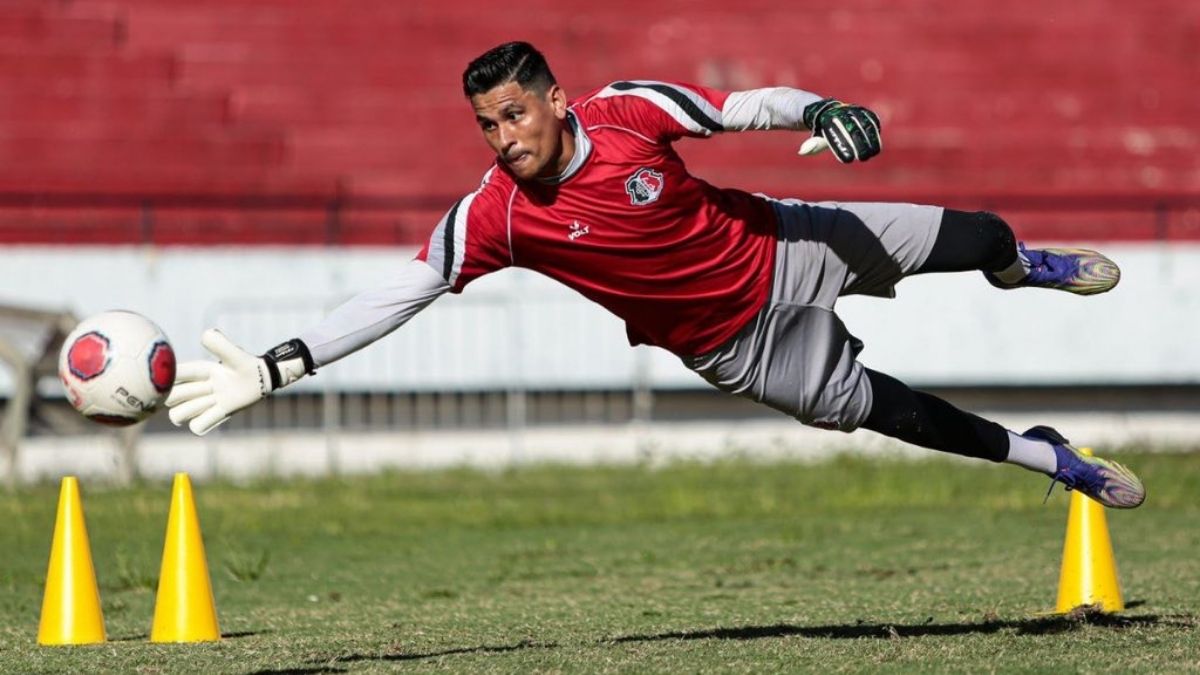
x,y
162,366
88,356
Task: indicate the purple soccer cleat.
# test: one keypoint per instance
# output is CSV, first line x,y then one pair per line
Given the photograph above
x,y
1075,270
1104,481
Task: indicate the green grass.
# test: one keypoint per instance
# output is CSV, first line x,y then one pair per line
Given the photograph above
x,y
851,565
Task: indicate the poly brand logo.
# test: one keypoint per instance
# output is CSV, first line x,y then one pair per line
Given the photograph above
x,y
644,186
576,230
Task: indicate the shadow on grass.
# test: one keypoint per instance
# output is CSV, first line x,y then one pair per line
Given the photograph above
x,y
224,636
1033,626
417,656
298,671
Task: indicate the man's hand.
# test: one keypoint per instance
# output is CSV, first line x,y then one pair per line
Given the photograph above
x,y
851,131
207,393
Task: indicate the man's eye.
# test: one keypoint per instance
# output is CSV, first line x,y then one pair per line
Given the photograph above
x,y
514,116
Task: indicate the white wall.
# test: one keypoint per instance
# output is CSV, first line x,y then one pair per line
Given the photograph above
x,y
518,327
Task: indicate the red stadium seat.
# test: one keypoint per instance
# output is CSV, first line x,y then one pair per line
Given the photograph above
x,y
253,99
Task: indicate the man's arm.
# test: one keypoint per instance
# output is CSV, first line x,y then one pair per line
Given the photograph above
x,y
369,316
765,109
207,393
668,111
470,240
852,132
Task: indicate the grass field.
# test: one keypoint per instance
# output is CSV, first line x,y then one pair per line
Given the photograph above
x,y
849,565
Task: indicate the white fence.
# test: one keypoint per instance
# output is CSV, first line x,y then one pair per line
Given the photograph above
x,y
516,329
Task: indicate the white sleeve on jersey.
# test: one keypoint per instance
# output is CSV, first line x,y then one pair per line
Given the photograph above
x,y
373,314
770,108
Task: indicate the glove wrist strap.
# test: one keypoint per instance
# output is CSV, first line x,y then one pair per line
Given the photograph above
x,y
288,362
811,116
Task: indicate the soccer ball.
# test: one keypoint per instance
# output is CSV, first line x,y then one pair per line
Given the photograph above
x,y
117,368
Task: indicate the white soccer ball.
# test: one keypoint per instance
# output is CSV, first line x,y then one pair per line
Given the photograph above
x,y
117,368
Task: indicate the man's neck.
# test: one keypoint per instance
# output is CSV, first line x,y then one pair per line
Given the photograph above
x,y
567,139
575,150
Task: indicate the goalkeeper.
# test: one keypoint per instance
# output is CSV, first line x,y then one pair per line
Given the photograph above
x,y
741,287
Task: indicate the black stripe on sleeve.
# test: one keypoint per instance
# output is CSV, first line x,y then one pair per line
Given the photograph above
x,y
448,242
688,105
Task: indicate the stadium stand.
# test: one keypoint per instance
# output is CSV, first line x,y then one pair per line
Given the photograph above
x,y
259,122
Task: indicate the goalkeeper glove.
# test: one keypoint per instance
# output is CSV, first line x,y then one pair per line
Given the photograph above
x,y
852,132
207,393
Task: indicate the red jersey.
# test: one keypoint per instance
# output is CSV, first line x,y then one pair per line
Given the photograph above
x,y
683,263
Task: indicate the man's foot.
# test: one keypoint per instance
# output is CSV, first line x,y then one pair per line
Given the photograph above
x,y
1105,481
1076,270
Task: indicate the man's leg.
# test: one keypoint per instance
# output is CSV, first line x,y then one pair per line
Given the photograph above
x,y
978,240
797,356
925,420
971,240
928,421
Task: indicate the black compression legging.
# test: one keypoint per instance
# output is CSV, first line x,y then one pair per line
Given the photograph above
x,y
928,421
966,241
971,240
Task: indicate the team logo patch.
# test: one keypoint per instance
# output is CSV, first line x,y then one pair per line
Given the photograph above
x,y
88,356
644,186
162,366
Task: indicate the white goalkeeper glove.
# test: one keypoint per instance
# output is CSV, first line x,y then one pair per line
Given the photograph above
x,y
207,393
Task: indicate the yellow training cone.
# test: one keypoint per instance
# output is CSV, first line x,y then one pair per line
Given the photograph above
x,y
71,605
1089,571
184,610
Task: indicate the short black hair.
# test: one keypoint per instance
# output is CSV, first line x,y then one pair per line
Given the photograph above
x,y
516,62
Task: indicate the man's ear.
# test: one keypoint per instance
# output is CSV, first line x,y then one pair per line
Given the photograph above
x,y
558,101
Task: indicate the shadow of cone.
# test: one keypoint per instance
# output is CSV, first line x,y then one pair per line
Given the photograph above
x,y
71,605
184,610
1089,570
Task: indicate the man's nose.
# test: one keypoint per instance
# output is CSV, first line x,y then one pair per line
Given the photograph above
x,y
506,139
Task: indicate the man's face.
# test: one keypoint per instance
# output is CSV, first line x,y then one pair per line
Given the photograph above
x,y
523,127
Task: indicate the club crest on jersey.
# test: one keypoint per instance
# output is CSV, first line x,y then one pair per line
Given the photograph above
x,y
644,186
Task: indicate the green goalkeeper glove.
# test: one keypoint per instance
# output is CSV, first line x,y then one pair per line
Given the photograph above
x,y
851,131
207,393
